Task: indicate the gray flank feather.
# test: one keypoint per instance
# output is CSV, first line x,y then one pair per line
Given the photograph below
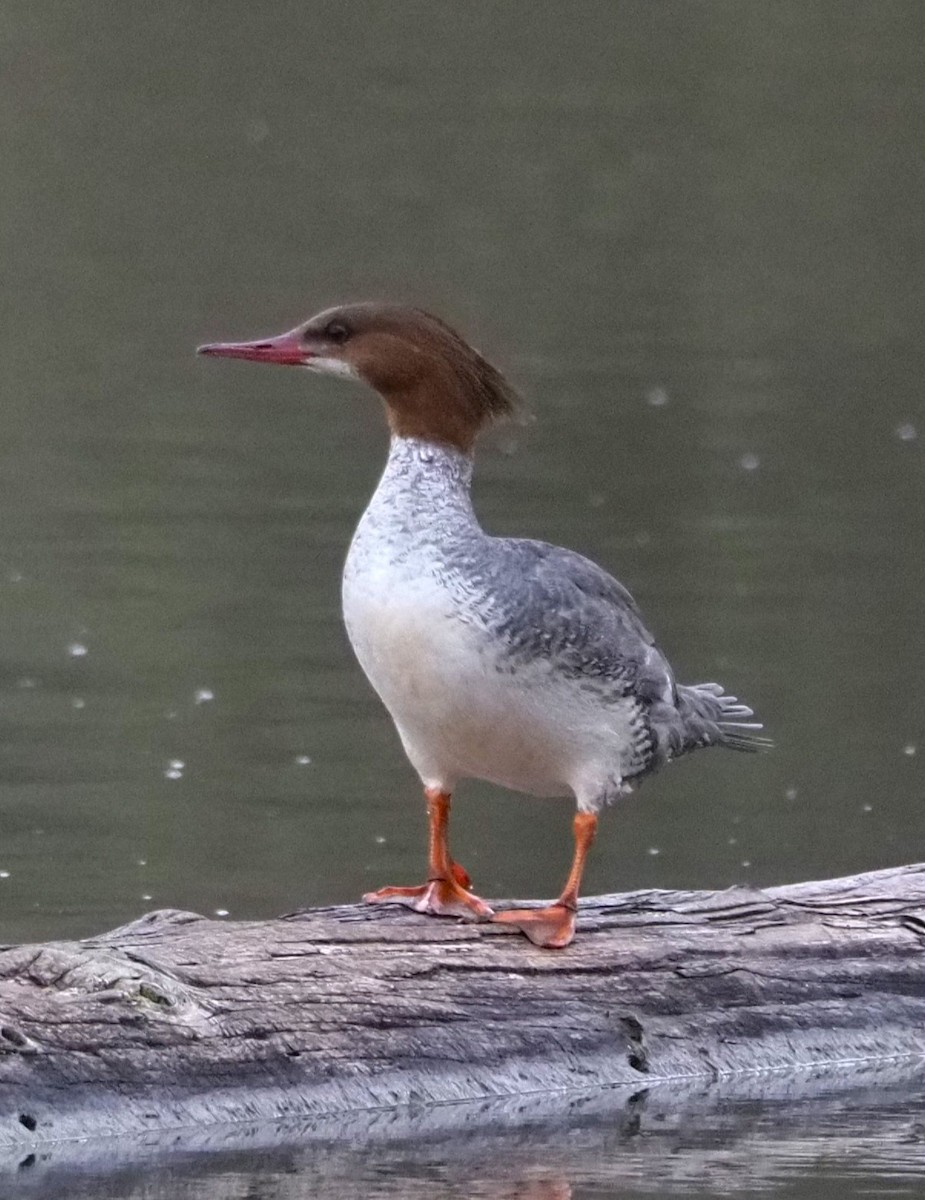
x,y
552,603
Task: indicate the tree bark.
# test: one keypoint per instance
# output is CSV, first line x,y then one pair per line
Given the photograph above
x,y
176,1020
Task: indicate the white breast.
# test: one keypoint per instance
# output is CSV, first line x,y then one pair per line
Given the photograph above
x,y
459,707
426,664
460,714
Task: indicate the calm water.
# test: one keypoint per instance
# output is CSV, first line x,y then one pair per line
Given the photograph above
x,y
692,234
606,1146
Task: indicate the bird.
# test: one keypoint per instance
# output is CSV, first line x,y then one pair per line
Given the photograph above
x,y
498,658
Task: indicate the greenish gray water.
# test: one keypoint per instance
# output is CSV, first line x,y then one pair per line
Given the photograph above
x,y
691,233
793,1139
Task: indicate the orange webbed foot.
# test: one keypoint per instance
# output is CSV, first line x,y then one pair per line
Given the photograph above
x,y
552,927
437,898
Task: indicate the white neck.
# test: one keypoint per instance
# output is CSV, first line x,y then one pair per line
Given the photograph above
x,y
427,482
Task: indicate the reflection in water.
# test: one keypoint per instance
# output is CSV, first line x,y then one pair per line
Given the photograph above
x,y
686,1141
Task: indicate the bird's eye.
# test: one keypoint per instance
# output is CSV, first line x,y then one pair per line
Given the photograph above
x,y
337,333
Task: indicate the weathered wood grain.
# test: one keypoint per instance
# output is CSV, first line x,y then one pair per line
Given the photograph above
x,y
176,1020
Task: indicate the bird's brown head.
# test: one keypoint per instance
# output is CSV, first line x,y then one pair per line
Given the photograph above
x,y
434,385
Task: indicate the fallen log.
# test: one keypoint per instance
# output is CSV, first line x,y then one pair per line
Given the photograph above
x,y
178,1021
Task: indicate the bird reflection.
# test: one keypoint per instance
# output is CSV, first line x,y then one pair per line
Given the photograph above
x,y
535,1187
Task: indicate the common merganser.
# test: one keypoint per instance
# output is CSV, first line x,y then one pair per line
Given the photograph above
x,y
502,659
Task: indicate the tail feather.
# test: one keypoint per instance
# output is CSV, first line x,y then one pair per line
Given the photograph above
x,y
711,718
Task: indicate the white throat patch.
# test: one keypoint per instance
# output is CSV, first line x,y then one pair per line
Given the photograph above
x,y
331,366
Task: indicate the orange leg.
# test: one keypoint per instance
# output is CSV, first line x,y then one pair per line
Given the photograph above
x,y
445,894
554,927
